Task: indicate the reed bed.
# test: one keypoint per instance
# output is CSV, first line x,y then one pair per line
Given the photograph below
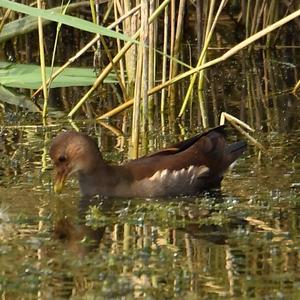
x,y
147,53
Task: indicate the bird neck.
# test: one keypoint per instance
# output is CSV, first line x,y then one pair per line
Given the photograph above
x,y
102,180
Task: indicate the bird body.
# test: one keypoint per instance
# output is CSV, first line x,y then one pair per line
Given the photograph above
x,y
186,168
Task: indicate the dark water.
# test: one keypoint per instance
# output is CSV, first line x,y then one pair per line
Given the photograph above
x,y
242,242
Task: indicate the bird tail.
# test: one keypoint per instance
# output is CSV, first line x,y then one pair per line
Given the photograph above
x,y
235,150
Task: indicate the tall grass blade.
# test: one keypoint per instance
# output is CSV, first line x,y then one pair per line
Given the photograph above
x,y
29,23
28,76
64,19
10,97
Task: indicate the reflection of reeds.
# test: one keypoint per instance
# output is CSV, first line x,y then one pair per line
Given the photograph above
x,y
296,88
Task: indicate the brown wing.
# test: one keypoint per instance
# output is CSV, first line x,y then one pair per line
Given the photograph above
x,y
183,145
207,149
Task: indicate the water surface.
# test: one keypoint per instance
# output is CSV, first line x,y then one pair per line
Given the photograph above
x,y
241,242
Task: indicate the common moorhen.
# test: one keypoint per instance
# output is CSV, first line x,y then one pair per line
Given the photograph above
x,y
185,168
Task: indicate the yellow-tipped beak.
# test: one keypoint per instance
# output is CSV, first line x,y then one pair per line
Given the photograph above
x,y
59,182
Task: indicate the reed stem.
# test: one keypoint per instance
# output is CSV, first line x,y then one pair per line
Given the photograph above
x,y
42,63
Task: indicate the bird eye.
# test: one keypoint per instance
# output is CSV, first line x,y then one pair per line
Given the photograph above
x,y
62,158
